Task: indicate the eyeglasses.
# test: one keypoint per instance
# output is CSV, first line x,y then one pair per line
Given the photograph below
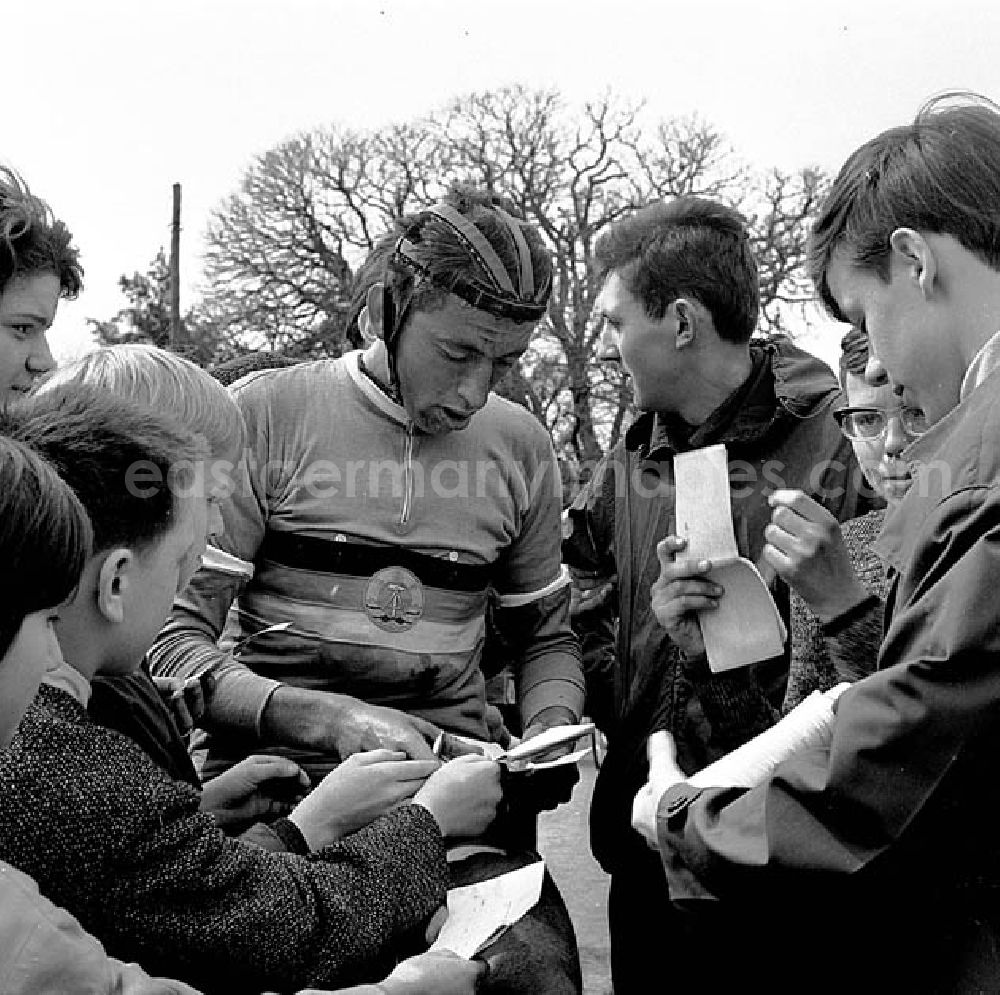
x,y
866,424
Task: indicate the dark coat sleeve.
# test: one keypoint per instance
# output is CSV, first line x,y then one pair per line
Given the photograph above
x,y
911,765
588,550
123,847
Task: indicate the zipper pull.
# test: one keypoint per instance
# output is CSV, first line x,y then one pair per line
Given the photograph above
x,y
405,524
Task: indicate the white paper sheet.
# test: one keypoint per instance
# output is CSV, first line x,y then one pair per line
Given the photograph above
x,y
479,913
809,724
521,755
746,626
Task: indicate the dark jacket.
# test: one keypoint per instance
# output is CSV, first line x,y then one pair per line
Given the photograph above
x,y
779,433
889,835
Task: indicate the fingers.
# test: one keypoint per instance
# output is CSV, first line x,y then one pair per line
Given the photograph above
x,y
261,767
792,536
378,756
418,749
798,505
668,548
662,754
434,926
797,500
682,597
408,770
672,568
660,743
425,728
777,558
388,765
787,522
585,599
417,741
553,752
456,748
473,758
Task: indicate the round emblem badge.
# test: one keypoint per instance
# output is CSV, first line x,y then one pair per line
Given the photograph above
x,y
394,599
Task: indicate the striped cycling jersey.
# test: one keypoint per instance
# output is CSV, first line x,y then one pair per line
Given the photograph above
x,y
376,549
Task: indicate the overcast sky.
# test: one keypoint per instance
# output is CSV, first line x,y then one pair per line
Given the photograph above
x,y
108,103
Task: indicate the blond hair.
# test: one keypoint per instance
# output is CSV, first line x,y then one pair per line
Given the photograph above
x,y
170,384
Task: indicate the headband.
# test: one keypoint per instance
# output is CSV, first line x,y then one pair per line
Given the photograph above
x,y
500,300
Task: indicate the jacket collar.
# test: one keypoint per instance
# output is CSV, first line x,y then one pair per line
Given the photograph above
x,y
982,366
785,382
938,462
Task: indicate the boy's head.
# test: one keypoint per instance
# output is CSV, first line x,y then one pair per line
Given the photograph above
x,y
914,215
878,428
44,543
169,384
38,266
455,293
674,274
142,479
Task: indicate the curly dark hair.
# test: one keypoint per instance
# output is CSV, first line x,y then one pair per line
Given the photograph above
x,y
32,240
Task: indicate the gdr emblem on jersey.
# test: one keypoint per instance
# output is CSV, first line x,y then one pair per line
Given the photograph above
x,y
394,599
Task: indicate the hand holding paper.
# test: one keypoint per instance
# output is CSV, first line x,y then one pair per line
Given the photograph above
x,y
808,725
439,971
479,913
682,590
663,774
528,754
746,626
552,718
462,795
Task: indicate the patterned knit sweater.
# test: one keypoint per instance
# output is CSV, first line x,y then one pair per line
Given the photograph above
x,y
110,837
820,660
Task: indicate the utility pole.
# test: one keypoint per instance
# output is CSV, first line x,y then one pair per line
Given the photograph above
x,y
176,331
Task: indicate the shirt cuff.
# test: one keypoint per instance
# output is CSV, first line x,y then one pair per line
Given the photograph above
x,y
291,836
840,622
562,686
239,699
675,800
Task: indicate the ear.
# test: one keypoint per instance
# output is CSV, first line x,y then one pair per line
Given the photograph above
x,y
686,321
373,307
112,583
913,253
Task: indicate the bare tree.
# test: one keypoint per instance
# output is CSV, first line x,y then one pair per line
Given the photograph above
x,y
281,250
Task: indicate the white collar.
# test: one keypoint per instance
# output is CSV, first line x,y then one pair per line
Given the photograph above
x,y
983,364
365,384
69,679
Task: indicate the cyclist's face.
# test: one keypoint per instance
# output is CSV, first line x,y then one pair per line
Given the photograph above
x,y
449,358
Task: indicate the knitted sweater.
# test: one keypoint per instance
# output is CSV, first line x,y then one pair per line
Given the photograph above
x,y
820,660
111,838
733,700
